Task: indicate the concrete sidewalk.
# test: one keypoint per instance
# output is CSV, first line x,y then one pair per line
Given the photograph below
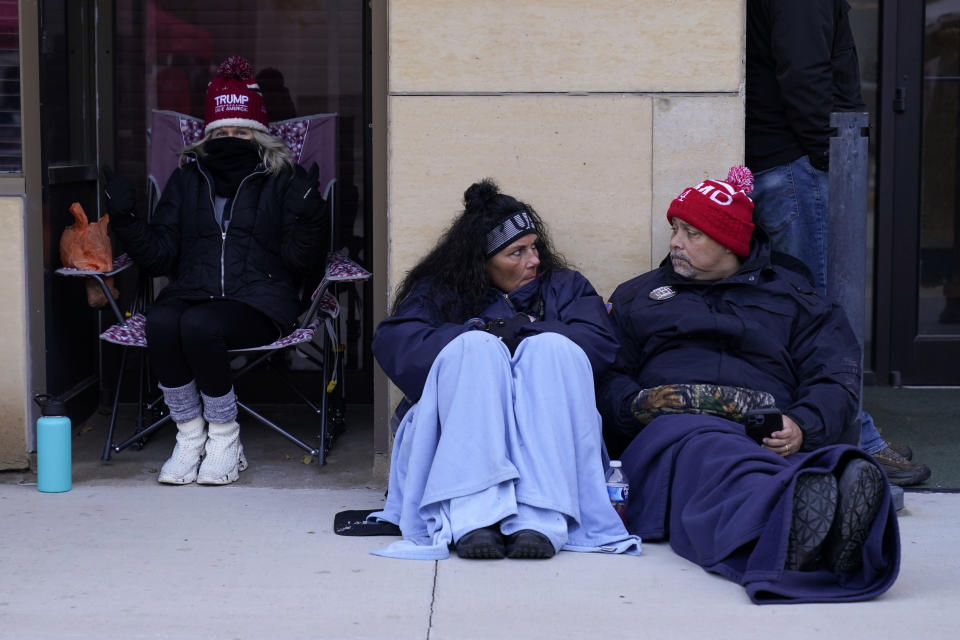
x,y
150,561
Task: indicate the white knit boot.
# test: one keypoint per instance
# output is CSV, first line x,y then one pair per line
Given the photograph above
x,y
224,458
181,468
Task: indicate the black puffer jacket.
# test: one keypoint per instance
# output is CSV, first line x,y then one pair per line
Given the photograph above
x,y
801,66
258,260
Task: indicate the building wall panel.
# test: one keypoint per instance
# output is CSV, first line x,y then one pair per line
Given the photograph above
x,y
565,45
582,162
14,393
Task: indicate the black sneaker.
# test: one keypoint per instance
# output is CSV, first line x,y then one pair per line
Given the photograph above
x,y
481,544
530,545
899,470
814,507
861,492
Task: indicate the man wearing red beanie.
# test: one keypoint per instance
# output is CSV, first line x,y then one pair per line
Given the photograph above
x,y
733,385
712,224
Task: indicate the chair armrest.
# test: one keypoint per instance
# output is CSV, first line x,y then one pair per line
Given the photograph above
x,y
340,268
120,263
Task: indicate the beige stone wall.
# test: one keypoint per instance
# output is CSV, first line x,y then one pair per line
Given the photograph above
x,y
597,113
554,153
565,45
14,373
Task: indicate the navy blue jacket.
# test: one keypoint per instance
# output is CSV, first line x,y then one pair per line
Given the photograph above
x,y
763,328
407,343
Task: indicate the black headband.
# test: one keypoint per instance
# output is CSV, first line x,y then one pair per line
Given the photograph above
x,y
518,224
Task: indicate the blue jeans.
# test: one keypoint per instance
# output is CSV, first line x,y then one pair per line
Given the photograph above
x,y
791,205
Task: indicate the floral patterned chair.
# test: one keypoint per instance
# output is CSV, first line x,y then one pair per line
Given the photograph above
x,y
310,139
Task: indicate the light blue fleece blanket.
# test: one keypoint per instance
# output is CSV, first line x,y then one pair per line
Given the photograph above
x,y
495,438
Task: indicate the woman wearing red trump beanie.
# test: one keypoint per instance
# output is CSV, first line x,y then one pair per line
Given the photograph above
x,y
236,225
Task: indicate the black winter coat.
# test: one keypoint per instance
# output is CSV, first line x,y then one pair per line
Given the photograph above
x,y
763,328
257,261
802,65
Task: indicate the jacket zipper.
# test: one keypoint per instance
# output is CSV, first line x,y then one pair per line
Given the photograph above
x,y
539,306
223,232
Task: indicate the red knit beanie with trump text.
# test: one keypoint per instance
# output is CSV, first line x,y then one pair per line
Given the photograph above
x,y
721,209
234,98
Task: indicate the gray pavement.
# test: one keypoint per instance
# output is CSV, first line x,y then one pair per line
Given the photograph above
x,y
120,556
151,561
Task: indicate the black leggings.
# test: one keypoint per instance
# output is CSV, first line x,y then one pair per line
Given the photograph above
x,y
190,340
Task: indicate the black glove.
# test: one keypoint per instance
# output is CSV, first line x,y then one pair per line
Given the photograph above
x,y
121,197
303,197
508,330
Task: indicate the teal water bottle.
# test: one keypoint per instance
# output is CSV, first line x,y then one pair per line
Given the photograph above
x,y
54,447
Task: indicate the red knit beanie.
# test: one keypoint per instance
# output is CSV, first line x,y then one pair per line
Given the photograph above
x,y
721,209
234,98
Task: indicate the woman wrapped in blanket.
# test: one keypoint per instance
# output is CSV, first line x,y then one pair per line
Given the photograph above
x,y
494,343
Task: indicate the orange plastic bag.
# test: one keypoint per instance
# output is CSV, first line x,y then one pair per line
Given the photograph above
x,y
86,246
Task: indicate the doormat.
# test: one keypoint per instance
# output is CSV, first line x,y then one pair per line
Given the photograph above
x,y
928,420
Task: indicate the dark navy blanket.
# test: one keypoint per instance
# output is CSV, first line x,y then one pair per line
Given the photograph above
x,y
726,503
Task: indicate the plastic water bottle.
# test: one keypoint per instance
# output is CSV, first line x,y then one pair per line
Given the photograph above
x,y
54,447
618,488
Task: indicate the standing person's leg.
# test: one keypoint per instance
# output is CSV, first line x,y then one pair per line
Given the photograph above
x,y
900,470
207,331
179,391
870,439
791,203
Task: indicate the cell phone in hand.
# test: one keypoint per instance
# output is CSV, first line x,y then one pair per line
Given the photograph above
x,y
761,423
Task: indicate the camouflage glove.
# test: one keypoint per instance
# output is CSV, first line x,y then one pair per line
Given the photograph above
x,y
731,403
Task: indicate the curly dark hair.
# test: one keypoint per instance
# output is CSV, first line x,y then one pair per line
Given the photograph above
x,y
456,266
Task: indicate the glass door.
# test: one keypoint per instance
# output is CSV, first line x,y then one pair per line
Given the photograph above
x,y
921,182
70,159
939,295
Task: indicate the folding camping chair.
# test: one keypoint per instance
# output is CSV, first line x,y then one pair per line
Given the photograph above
x,y
120,264
310,139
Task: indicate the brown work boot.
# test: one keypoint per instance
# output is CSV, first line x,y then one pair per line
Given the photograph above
x,y
903,449
899,470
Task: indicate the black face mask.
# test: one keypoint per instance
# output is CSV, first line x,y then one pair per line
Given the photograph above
x,y
229,161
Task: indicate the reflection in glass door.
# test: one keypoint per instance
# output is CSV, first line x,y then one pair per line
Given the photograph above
x,y
918,256
939,287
